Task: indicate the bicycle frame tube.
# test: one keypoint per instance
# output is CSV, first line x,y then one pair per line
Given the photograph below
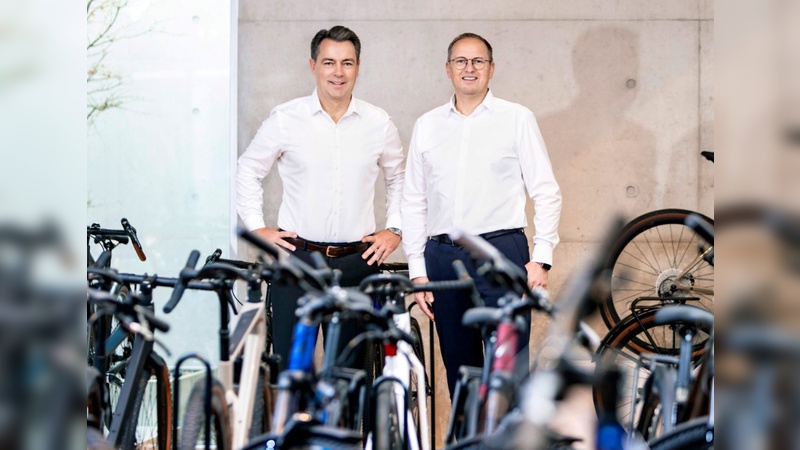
x,y
304,341
141,348
248,380
505,351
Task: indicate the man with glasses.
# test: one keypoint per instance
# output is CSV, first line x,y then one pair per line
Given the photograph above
x,y
329,148
469,166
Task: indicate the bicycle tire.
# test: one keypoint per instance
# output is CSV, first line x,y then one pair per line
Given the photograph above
x,y
388,433
373,367
263,405
623,344
417,387
143,430
192,431
692,435
94,401
650,251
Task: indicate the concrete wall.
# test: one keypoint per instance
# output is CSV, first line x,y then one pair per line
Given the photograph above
x,y
622,91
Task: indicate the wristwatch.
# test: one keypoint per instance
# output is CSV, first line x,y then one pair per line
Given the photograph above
x,y
396,231
545,266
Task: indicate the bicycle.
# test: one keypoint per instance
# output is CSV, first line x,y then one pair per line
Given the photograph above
x,y
486,397
526,427
672,394
657,256
117,397
241,398
109,239
399,393
641,333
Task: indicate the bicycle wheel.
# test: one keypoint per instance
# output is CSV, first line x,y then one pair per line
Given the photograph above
x,y
692,435
150,422
650,253
94,401
417,387
388,430
622,346
373,367
192,434
263,405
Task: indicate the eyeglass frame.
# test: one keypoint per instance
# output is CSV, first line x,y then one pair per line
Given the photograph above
x,y
469,61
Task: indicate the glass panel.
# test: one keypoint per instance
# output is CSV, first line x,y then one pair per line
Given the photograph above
x,y
159,143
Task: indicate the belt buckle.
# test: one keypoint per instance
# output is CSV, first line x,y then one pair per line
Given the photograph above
x,y
328,250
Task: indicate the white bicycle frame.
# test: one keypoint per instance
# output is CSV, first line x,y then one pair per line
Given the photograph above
x,y
250,347
401,366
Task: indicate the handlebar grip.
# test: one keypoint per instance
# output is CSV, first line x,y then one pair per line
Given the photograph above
x,y
461,270
251,237
137,246
319,261
477,246
214,257
463,275
701,227
191,263
157,323
180,285
448,285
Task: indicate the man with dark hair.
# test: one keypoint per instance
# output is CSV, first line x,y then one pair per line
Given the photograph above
x,y
470,163
329,148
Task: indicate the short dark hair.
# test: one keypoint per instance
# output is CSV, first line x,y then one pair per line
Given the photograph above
x,y
338,34
469,36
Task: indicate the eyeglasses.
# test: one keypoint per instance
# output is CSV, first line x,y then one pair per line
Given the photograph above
x,y
477,63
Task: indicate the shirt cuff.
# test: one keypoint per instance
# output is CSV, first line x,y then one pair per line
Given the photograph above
x,y
394,221
416,267
542,253
253,222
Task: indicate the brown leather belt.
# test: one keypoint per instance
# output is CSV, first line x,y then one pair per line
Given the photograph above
x,y
445,239
329,250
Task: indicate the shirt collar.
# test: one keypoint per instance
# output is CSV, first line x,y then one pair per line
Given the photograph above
x,y
316,106
487,103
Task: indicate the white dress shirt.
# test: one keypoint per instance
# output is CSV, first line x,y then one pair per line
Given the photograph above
x,y
471,173
328,170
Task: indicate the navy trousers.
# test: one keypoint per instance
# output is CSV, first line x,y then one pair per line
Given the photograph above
x,y
460,345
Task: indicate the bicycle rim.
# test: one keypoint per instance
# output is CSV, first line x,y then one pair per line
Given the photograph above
x,y
623,345
649,259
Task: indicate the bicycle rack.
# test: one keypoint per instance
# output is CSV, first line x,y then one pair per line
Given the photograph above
x,y
176,397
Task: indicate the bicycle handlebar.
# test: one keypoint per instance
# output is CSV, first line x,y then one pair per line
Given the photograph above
x,y
131,232
506,272
701,227
290,263
180,286
214,256
122,309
